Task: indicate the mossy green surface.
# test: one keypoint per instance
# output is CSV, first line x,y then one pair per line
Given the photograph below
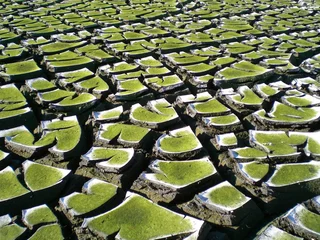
x,y
95,83
164,81
269,91
11,232
299,101
10,93
39,176
140,219
247,66
310,220
293,173
12,106
225,120
231,73
59,47
224,61
97,195
198,68
157,71
150,62
250,153
256,170
211,106
41,215
127,132
80,99
56,94
130,86
110,114
10,186
42,84
68,139
75,76
183,173
21,67
123,67
114,156
291,115
143,114
226,196
182,141
313,146
248,97
48,232
61,124
7,114
232,140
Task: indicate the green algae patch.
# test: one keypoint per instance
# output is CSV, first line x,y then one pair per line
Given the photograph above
x,y
114,156
180,173
10,93
55,95
287,174
11,232
96,193
223,120
157,111
58,47
180,140
40,84
48,232
18,68
38,215
149,62
247,96
125,132
225,195
38,176
255,169
139,219
310,220
80,99
10,187
248,152
211,106
130,89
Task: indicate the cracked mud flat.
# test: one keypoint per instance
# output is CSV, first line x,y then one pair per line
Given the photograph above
x,y
153,119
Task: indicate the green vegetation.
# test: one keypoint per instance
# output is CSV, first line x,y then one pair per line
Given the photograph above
x,y
114,156
11,232
248,152
255,170
125,132
309,220
181,140
39,215
80,99
24,67
182,173
38,176
48,232
226,195
293,173
284,113
139,219
211,106
224,120
162,112
10,187
41,84
247,96
96,194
